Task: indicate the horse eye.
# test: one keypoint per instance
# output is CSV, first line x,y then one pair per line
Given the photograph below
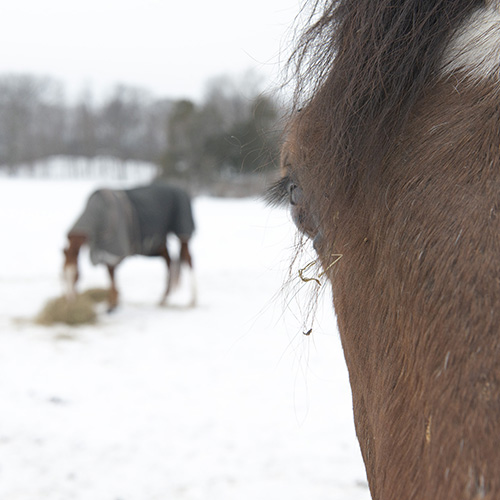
x,y
295,194
279,193
285,191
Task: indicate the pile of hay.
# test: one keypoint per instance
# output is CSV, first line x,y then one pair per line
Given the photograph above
x,y
78,311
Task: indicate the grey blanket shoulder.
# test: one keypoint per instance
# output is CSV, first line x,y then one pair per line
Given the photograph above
x,y
111,226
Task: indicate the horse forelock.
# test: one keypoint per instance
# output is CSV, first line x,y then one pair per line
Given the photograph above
x,y
365,64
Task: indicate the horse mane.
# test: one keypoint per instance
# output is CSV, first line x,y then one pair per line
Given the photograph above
x,y
366,63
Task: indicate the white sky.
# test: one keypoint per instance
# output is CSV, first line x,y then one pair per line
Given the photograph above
x,y
171,47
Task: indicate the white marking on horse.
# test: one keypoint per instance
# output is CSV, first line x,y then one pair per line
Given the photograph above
x,y
475,47
69,279
194,288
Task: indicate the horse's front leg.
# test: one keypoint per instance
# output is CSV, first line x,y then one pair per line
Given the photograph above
x,y
70,273
113,291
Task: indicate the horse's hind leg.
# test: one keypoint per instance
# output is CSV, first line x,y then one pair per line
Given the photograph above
x,y
185,257
174,270
172,274
113,291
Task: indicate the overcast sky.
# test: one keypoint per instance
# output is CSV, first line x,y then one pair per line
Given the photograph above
x,y
172,47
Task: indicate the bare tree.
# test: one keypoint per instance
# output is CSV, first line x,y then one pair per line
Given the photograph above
x,y
32,118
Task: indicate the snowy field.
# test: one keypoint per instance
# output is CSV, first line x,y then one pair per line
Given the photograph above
x,y
226,401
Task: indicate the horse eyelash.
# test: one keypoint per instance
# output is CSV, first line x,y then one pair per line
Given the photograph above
x,y
279,193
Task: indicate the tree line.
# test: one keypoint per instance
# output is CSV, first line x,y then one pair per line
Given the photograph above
x,y
233,130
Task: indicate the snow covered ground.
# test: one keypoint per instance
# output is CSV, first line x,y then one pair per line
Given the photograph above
x,y
228,400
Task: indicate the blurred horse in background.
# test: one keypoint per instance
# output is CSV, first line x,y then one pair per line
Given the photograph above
x,y
119,223
393,162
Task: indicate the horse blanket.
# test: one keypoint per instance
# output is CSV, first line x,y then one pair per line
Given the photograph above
x,y
119,223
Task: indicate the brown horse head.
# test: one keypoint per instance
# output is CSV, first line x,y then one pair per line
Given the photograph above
x,y
394,163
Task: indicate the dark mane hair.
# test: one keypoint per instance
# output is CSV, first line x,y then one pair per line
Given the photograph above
x,y
366,62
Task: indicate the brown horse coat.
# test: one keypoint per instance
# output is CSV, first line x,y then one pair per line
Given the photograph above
x,y
408,191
